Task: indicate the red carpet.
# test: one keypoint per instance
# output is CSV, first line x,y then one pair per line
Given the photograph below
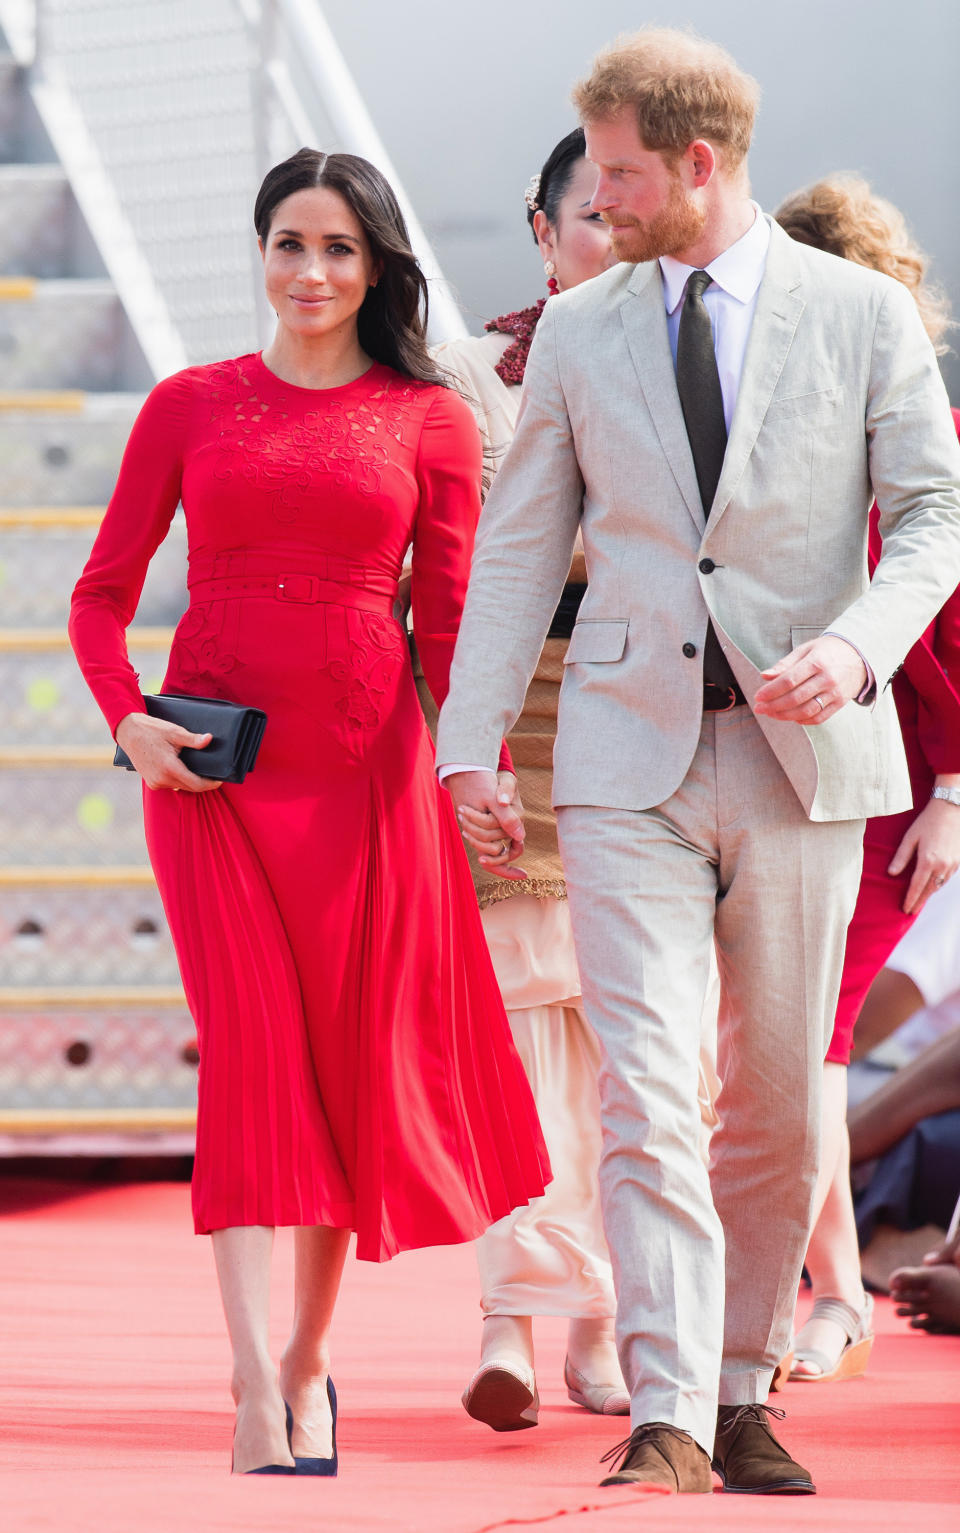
x,y
115,1415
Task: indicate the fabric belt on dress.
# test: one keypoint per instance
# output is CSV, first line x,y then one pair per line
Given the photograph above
x,y
297,588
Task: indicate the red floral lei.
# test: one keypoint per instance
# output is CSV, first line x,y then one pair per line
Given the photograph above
x,y
521,326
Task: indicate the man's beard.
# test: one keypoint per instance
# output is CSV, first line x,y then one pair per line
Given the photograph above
x,y
674,228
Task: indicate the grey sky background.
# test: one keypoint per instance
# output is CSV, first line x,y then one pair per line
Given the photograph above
x,y
470,98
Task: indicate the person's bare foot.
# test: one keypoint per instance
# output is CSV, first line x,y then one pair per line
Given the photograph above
x,y
929,1297
260,1432
507,1337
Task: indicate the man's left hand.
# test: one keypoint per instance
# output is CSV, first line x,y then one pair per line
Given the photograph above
x,y
813,682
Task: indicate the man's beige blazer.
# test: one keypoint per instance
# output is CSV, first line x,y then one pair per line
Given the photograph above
x,y
840,400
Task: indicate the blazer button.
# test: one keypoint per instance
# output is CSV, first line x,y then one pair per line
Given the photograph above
x,y
689,650
706,566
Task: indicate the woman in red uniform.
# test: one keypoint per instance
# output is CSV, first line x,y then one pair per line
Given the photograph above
x,y
905,856
357,1071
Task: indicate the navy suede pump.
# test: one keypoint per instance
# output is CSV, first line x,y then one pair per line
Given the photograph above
x,y
318,1466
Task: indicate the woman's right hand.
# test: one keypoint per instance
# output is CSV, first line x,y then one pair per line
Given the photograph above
x,y
154,748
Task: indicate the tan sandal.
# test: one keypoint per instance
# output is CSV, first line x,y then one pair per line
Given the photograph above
x,y
851,1361
503,1395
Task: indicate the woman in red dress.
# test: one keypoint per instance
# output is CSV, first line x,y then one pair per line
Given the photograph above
x,y
905,856
356,1068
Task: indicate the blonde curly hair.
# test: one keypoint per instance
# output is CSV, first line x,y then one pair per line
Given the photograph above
x,y
844,216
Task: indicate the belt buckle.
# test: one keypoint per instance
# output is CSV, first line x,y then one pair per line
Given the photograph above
x,y
298,588
730,693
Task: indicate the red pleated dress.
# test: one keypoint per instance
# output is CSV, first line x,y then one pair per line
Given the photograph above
x,y
356,1066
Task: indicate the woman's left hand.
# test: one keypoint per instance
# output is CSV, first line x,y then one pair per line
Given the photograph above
x,y
934,837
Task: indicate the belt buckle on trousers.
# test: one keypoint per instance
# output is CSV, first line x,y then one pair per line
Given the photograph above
x,y
720,699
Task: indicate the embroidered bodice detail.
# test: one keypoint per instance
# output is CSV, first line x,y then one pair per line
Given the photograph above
x,y
266,436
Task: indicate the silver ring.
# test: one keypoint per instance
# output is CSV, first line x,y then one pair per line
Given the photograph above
x,y
940,879
819,699
504,847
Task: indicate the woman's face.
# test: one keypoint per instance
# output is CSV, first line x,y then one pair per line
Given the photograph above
x,y
317,263
578,243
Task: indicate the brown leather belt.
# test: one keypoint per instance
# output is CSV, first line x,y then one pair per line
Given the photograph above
x,y
721,699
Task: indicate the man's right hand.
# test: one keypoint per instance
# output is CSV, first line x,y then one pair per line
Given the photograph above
x,y
488,821
154,747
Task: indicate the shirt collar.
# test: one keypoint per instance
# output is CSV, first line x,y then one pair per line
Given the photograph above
x,y
738,269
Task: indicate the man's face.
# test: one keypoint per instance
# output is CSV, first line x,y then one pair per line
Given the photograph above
x,y
641,196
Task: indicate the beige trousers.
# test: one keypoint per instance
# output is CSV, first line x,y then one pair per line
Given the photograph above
x,y
706,1266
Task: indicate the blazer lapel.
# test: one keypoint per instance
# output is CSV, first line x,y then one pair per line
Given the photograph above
x,y
645,324
775,321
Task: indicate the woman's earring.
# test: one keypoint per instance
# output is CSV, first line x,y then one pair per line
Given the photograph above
x,y
553,285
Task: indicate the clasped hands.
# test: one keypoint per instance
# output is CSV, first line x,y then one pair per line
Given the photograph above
x,y
154,747
490,815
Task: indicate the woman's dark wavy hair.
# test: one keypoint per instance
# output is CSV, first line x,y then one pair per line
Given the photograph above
x,y
556,175
392,322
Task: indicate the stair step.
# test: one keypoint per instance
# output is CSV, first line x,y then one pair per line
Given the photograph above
x,y
83,935
45,698
60,550
42,1123
45,639
94,998
40,224
43,401
18,756
83,815
66,333
22,288
131,1056
51,516
82,876
63,449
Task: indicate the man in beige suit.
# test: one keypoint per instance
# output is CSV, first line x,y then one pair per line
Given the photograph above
x,y
714,415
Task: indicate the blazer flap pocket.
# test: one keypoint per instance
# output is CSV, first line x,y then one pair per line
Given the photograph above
x,y
597,639
803,635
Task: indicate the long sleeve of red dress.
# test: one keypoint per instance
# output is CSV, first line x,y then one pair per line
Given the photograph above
x,y
448,473
136,522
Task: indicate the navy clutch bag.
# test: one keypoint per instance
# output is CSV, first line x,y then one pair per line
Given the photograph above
x,y
237,733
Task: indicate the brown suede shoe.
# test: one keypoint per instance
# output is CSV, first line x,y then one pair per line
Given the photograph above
x,y
659,1454
748,1458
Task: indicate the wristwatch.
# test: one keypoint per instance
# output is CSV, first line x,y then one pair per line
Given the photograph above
x,y
952,795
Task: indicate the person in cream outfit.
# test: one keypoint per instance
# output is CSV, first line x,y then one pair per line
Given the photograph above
x,y
714,415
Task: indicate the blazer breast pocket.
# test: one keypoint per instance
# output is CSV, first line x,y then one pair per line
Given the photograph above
x,y
819,406
597,639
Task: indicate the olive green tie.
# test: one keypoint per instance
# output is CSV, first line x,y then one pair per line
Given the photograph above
x,y
701,399
698,384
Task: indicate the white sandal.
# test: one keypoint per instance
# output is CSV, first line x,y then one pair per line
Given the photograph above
x,y
851,1362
